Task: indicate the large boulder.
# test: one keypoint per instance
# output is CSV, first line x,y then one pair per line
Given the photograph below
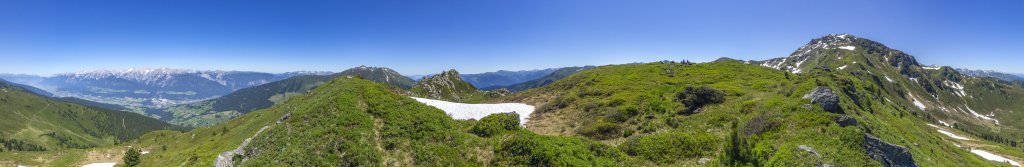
x,y
825,97
846,120
888,154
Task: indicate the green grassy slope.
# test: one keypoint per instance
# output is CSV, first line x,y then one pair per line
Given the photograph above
x,y
761,122
36,121
362,123
209,112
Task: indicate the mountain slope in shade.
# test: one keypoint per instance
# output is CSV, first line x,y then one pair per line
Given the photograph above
x,y
243,101
36,121
504,78
542,81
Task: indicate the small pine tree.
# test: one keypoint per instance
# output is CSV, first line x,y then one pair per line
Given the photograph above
x,y
131,157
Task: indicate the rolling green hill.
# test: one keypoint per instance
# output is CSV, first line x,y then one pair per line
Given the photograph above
x,y
246,100
763,119
355,122
29,122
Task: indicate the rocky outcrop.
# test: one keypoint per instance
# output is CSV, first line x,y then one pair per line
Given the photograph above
x,y
888,154
447,86
846,120
825,97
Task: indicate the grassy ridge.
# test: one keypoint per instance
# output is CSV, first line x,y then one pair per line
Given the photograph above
x,y
761,122
34,120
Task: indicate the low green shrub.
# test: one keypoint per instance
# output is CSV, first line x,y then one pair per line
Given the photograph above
x,y
666,148
496,124
696,97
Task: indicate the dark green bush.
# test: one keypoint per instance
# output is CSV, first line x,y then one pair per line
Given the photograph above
x,y
696,97
666,148
131,157
527,149
495,124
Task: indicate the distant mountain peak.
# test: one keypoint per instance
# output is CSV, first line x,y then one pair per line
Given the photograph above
x,y
381,74
445,86
833,46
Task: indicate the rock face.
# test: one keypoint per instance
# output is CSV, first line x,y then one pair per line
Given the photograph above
x,y
889,155
825,97
846,120
447,86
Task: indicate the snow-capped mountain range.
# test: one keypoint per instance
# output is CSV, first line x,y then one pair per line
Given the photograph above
x,y
150,87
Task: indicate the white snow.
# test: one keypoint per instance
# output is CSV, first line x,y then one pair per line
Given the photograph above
x,y
848,47
976,114
944,122
842,67
888,79
144,152
952,135
957,86
917,102
478,111
930,68
105,164
797,70
993,157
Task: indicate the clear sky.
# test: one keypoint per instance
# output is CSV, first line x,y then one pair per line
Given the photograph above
x,y
420,37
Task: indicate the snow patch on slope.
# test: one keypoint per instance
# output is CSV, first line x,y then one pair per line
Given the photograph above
x,y
848,47
842,67
957,86
478,111
954,136
976,114
916,102
993,157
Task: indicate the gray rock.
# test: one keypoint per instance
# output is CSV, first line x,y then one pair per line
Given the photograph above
x,y
226,159
284,118
888,154
846,120
825,97
810,149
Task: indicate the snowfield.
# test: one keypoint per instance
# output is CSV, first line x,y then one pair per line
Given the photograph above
x,y
478,111
918,102
848,47
107,164
989,156
953,135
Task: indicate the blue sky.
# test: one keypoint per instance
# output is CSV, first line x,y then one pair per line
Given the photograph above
x,y
420,37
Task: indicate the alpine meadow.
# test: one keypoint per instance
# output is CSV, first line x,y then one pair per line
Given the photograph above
x,y
511,83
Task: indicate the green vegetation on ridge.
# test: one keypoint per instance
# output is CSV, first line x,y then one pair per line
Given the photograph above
x,y
29,122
